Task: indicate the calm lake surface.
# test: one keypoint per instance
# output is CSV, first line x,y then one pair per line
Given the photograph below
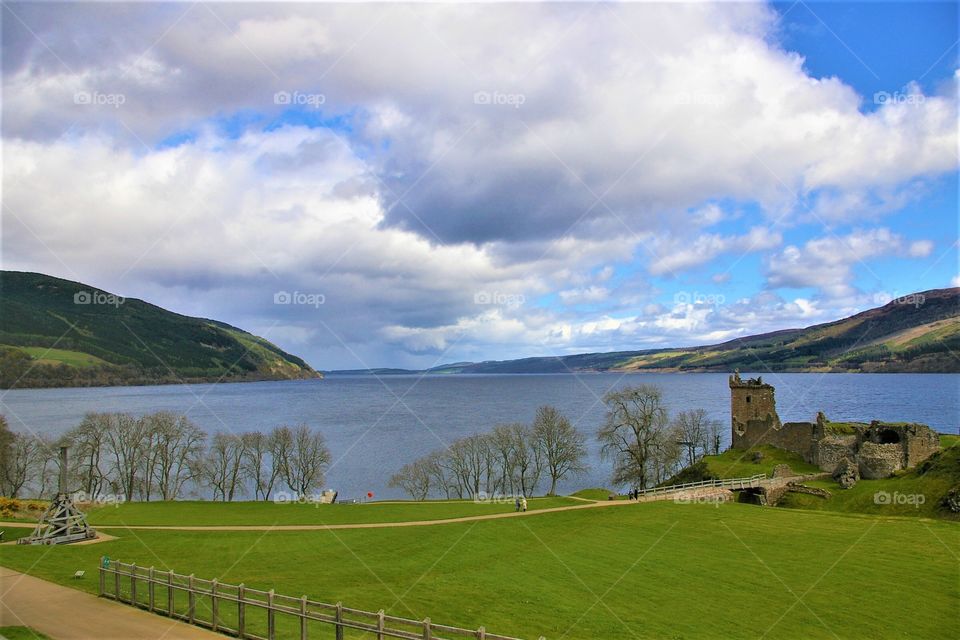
x,y
374,426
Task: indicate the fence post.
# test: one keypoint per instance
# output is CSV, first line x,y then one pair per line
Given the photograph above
x,y
170,593
339,626
151,591
133,584
116,580
241,610
426,629
380,624
103,574
191,600
214,605
303,618
271,619
481,633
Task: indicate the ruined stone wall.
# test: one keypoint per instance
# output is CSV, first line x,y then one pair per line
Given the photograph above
x,y
921,443
879,460
830,451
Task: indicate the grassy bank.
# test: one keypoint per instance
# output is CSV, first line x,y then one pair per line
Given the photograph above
x,y
657,570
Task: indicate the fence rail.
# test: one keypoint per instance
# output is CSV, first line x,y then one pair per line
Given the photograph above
x,y
126,583
730,483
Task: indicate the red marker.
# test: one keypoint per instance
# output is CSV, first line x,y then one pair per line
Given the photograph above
x,y
369,494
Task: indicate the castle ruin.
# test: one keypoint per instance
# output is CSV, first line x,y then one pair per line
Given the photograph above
x,y
874,450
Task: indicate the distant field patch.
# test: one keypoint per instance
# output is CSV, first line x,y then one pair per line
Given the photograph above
x,y
79,359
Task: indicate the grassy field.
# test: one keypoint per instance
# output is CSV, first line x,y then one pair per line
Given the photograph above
x,y
63,356
21,633
269,513
736,463
656,570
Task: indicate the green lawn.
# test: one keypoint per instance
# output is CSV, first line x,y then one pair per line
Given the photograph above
x,y
21,633
655,570
268,513
738,463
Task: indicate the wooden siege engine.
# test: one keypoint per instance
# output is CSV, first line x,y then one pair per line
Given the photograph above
x,y
62,522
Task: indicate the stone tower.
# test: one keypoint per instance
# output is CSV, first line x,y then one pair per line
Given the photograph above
x,y
753,411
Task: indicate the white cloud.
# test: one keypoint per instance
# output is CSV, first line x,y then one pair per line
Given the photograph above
x,y
827,263
674,255
636,121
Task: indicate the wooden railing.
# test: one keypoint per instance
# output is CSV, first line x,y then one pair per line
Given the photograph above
x,y
230,609
729,483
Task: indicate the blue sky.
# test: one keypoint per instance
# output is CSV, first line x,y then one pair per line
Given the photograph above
x,y
468,183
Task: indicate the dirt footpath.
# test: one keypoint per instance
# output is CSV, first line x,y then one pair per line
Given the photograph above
x,y
67,614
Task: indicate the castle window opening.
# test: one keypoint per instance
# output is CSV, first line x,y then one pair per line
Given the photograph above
x,y
748,399
889,436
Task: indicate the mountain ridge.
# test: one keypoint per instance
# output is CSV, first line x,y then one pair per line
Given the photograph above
x,y
60,333
869,341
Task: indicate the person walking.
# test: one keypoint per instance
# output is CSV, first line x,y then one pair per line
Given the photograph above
x,y
516,502
523,503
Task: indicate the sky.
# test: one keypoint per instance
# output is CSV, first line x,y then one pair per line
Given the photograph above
x,y
405,185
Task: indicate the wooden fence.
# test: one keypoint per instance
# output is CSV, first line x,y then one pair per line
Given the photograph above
x,y
230,609
729,483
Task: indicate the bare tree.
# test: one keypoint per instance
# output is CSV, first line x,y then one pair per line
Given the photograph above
x,y
714,429
126,440
222,467
526,458
6,453
632,432
691,427
502,449
307,457
178,444
87,443
414,478
561,444
438,469
24,464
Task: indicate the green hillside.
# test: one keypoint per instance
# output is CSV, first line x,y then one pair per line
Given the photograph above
x,y
56,333
916,333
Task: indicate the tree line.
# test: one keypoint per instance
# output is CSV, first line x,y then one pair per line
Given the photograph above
x,y
162,456
644,444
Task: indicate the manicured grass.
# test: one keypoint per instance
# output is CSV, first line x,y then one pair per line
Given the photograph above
x,y
21,633
738,463
269,513
655,570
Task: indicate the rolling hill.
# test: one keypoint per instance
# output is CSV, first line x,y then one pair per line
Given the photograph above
x,y
916,333
56,333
